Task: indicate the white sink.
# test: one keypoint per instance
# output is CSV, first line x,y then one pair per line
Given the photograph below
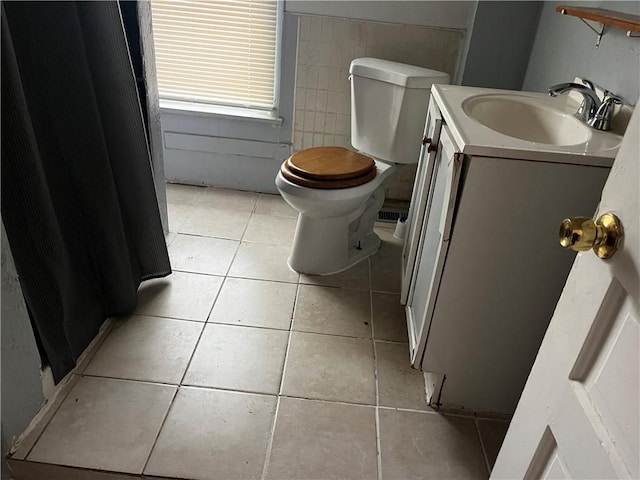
x,y
527,119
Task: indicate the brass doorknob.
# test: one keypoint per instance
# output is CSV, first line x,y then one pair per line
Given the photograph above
x,y
581,233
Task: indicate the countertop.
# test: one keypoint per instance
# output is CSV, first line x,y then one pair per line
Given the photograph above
x,y
473,138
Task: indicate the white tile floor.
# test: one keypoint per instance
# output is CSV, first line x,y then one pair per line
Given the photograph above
x,y
236,367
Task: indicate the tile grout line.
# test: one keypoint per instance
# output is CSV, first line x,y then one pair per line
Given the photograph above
x,y
190,211
164,317
336,335
157,436
243,325
454,413
412,410
279,281
262,327
198,203
135,380
266,394
267,458
197,197
188,272
231,390
267,455
262,279
482,446
298,281
392,342
226,275
168,234
201,235
101,472
175,393
191,207
324,400
200,196
227,389
204,325
378,443
375,375
246,226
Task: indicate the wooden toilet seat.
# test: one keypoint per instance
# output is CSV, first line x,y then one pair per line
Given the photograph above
x,y
328,167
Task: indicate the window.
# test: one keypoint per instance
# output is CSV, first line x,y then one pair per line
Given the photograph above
x,y
219,52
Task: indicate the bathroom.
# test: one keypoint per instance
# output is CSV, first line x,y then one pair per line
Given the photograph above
x,y
510,45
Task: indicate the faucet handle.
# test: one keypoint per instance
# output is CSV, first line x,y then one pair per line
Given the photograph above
x,y
602,118
612,98
589,84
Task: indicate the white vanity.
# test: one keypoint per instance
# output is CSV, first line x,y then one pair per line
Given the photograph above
x,y
482,267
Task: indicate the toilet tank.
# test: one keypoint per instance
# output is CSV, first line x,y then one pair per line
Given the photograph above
x,y
389,104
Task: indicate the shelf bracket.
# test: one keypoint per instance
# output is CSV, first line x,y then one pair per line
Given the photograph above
x,y
599,33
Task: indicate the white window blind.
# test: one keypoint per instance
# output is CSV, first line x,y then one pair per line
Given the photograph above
x,y
216,51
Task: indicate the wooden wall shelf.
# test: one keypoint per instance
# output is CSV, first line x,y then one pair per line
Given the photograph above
x,y
625,21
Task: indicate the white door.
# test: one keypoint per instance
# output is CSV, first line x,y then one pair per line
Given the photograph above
x,y
578,416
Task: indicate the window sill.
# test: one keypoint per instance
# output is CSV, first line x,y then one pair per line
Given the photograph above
x,y
205,110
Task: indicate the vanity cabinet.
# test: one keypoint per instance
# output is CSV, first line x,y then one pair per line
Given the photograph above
x,y
420,195
482,267
429,229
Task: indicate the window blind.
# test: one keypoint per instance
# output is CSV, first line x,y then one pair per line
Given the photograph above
x,y
216,51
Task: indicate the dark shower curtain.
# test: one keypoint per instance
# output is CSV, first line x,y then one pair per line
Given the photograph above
x,y
78,200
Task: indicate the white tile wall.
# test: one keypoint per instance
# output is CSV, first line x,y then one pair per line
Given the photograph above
x,y
326,46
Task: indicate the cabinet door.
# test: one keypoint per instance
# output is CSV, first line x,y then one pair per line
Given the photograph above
x,y
433,243
419,197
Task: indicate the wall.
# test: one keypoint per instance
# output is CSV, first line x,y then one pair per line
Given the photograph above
x,y
326,47
500,44
153,119
22,394
564,49
444,14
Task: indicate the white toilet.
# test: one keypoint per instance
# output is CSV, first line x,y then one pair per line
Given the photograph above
x,y
338,192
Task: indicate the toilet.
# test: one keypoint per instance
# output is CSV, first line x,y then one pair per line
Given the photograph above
x,y
338,192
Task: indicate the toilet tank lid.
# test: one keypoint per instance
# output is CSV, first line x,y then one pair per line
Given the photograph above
x,y
408,76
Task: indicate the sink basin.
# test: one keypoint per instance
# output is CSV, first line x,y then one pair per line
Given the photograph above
x,y
526,118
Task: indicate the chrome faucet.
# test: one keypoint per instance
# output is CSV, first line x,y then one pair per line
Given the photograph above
x,y
595,113
590,100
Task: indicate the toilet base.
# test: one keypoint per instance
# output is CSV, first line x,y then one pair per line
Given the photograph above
x,y
329,245
367,247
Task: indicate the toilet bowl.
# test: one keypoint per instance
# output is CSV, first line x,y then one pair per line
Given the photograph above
x,y
338,192
335,225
